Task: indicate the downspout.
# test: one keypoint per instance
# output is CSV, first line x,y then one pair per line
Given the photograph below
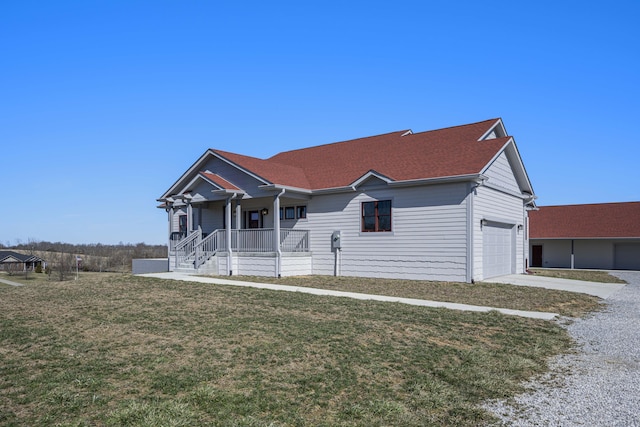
x,y
470,224
276,231
227,231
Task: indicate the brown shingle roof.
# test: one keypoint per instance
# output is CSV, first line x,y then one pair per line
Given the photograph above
x,y
219,181
445,152
615,220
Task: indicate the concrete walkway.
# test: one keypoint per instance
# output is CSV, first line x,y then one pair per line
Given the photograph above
x,y
315,291
601,290
9,282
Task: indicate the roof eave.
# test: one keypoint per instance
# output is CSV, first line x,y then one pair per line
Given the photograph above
x,y
475,177
279,187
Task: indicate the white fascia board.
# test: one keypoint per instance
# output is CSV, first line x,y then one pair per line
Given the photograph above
x,y
476,177
498,124
223,191
347,189
523,170
523,196
277,187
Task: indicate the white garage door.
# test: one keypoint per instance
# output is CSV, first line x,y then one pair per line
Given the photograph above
x,y
627,256
497,250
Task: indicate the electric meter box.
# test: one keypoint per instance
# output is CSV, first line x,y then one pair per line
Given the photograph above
x,y
335,240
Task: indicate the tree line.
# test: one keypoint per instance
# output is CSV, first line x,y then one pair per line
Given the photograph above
x,y
67,257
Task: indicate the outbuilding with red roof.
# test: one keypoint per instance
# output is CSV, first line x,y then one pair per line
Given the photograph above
x,y
447,204
598,236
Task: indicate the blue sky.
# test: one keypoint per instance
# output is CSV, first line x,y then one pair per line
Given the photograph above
x,y
103,104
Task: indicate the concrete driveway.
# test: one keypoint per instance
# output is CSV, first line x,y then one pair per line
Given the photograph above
x,y
601,290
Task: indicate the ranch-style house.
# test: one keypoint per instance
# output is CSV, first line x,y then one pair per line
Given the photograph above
x,y
447,204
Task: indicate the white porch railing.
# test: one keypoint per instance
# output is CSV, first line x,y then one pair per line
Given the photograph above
x,y
252,240
294,240
185,248
198,250
207,248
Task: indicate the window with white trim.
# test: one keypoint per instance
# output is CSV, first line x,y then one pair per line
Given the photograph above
x,y
293,212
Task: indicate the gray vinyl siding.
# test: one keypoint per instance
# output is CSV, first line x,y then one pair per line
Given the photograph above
x,y
428,238
234,175
202,191
212,217
175,222
501,175
504,208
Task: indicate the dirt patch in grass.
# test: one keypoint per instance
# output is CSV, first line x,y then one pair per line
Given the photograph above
x,y
486,294
125,350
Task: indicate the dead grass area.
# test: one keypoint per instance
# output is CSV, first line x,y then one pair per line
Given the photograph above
x,y
587,275
486,294
120,350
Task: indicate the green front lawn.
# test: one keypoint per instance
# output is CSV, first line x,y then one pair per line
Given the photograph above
x,y
119,350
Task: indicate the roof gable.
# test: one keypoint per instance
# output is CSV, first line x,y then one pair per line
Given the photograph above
x,y
603,220
507,171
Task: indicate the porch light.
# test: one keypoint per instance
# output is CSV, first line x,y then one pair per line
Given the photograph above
x,y
264,211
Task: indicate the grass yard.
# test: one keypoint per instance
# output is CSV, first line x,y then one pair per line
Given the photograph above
x,y
488,294
120,350
588,275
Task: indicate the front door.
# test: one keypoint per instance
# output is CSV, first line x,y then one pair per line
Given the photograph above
x,y
253,219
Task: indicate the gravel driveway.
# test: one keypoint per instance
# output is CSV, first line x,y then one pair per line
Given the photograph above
x,y
599,386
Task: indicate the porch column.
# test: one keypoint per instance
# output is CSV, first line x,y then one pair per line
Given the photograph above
x,y
170,218
189,218
276,232
227,213
238,215
572,256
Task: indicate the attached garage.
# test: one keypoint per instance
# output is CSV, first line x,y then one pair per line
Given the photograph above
x,y
497,249
627,256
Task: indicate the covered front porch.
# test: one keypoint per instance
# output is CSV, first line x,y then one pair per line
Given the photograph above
x,y
238,235
244,251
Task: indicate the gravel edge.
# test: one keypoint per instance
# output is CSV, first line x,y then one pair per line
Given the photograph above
x,y
599,385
